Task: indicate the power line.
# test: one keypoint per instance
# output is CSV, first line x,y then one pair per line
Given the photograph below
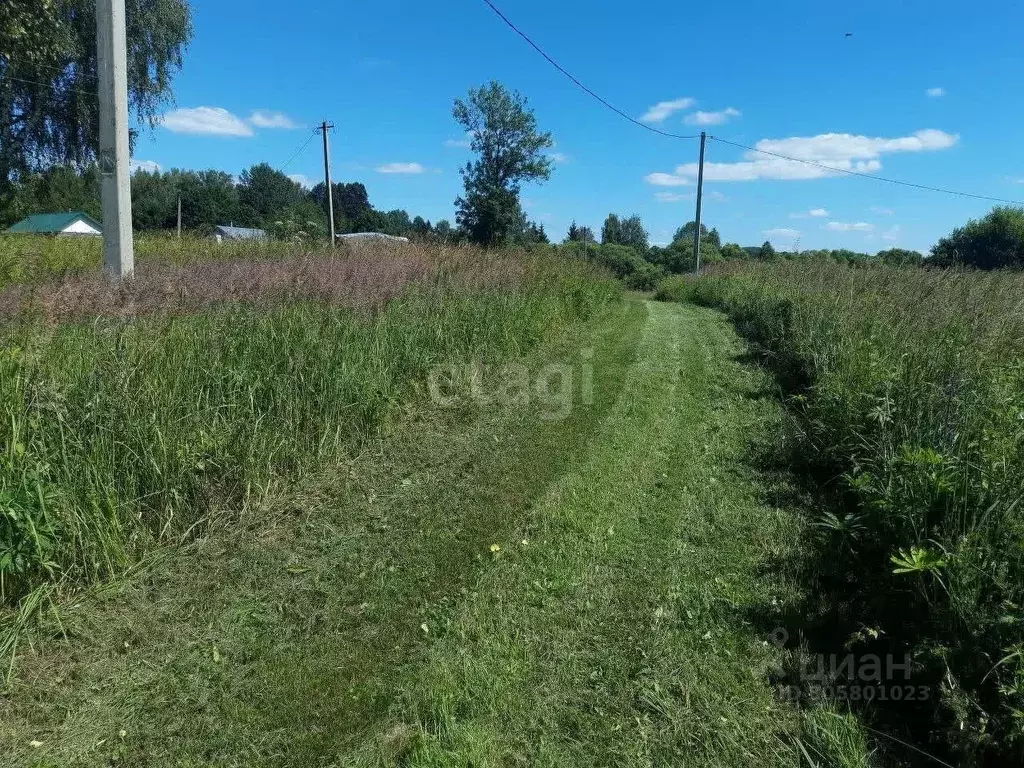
x,y
865,175
660,132
48,85
300,150
559,67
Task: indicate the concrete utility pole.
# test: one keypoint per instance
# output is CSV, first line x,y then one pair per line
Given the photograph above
x,y
700,197
179,217
114,157
325,127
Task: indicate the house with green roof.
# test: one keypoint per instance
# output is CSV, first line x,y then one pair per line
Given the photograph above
x,y
70,223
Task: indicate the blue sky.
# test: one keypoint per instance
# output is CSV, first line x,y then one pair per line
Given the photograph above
x,y
923,91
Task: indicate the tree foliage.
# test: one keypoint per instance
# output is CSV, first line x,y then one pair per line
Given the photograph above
x,y
993,242
628,231
264,192
509,151
578,234
900,257
49,113
262,197
611,230
633,234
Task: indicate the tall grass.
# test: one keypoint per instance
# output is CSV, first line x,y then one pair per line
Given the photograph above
x,y
910,388
36,258
119,431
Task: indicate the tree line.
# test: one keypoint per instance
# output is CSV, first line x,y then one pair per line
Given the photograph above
x,y
48,140
262,197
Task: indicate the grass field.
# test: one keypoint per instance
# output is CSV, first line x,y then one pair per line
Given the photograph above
x,y
436,507
35,259
132,417
480,586
908,388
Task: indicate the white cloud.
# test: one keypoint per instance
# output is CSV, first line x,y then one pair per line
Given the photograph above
x,y
839,151
814,213
668,180
882,211
210,121
843,226
303,180
712,118
664,109
674,197
782,232
401,168
936,92
892,234
150,166
558,157
263,118
463,143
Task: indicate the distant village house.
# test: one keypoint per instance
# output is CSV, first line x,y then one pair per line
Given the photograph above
x,y
222,233
72,223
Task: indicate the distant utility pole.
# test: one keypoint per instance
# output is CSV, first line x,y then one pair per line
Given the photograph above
x,y
700,197
325,127
179,217
114,157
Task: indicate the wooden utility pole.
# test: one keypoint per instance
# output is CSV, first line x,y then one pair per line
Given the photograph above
x,y
325,127
114,155
700,197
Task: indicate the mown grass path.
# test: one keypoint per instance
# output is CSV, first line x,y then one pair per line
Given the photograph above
x,y
366,620
611,630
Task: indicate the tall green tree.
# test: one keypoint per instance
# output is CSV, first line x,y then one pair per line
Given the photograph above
x,y
49,113
994,242
767,252
154,200
58,188
611,230
509,152
352,207
264,192
685,232
633,234
578,234
208,198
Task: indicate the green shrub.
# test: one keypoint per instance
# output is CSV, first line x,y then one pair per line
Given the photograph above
x,y
910,389
994,242
645,277
675,288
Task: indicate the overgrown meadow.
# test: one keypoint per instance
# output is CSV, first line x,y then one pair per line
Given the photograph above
x,y
909,390
134,416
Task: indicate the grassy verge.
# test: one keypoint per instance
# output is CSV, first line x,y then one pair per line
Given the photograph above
x,y
909,386
283,638
125,432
